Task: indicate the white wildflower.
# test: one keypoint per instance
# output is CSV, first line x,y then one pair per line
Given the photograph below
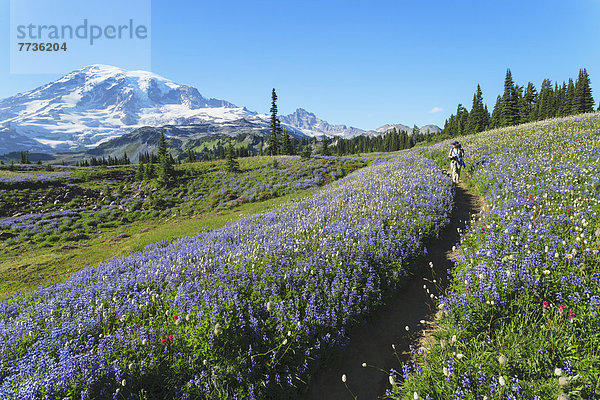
x,y
502,360
563,382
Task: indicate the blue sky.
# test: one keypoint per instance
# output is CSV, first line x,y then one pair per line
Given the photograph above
x,y
361,63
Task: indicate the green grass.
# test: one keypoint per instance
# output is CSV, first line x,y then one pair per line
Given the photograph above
x,y
204,195
24,267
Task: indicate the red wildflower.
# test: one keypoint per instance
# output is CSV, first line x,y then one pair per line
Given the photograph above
x,y
544,305
175,317
162,341
171,338
571,313
561,309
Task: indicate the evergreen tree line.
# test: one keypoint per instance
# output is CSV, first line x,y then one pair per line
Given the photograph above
x,y
393,140
521,104
106,161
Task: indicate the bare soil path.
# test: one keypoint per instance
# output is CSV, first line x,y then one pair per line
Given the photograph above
x,y
372,342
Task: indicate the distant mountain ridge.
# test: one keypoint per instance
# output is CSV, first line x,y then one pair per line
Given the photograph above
x,y
98,103
309,124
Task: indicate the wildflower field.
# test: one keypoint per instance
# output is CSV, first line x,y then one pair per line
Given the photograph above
x,y
242,312
521,318
80,201
52,223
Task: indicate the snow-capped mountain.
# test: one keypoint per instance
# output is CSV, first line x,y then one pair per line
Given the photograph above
x,y
310,125
97,103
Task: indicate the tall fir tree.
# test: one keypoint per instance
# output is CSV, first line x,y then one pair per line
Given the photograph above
x,y
544,105
510,115
496,118
462,117
325,146
528,103
478,117
275,126
232,163
570,107
560,100
165,162
286,143
306,152
584,102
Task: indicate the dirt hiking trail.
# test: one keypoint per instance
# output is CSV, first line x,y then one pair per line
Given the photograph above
x,y
372,342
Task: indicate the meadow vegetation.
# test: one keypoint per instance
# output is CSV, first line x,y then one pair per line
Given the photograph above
x,y
521,317
53,223
244,311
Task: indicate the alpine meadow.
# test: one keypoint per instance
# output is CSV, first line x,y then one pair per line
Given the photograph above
x,y
429,230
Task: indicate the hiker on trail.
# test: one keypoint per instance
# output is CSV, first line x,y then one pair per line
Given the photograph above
x,y
456,156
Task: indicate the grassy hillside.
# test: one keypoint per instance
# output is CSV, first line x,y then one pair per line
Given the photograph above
x,y
54,223
521,318
245,311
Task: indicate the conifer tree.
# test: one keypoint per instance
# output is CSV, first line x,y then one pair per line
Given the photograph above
x,y
325,146
139,174
306,152
558,100
275,126
165,162
528,103
544,104
583,93
148,171
478,116
510,114
462,117
286,144
232,163
496,118
570,107
24,158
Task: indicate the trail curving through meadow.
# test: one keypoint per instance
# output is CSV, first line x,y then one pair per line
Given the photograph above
x,y
372,342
